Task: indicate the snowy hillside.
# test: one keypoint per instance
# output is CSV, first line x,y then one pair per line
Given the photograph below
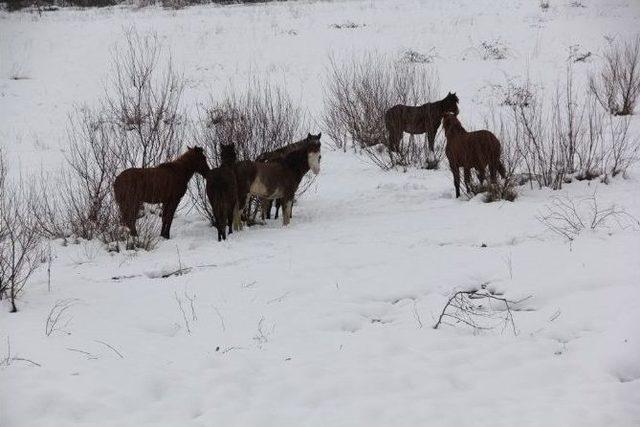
x,y
328,322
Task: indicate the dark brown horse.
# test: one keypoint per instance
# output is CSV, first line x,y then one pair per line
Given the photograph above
x,y
467,150
280,179
222,191
424,118
165,183
277,155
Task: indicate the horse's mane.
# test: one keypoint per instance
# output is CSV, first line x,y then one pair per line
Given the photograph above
x,y
283,151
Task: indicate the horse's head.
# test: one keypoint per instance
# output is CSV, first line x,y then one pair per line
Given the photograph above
x,y
198,160
313,153
450,103
227,154
450,123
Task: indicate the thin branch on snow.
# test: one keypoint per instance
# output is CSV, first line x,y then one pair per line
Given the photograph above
x,y
466,307
111,347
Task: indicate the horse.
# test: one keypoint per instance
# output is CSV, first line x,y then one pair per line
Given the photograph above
x,y
477,149
280,179
424,118
165,183
222,191
279,154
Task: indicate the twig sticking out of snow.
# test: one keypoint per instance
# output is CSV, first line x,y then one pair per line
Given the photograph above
x,y
7,360
56,315
111,347
464,307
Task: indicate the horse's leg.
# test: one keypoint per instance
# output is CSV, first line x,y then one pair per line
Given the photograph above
x,y
129,217
431,138
467,179
268,205
493,173
501,169
230,216
168,211
237,221
456,179
278,204
286,210
481,175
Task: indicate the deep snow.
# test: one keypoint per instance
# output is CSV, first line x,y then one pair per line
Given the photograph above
x,y
329,321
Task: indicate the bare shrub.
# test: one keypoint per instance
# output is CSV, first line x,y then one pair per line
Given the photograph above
x,y
539,144
623,148
174,4
138,123
568,217
617,85
20,243
141,107
511,157
493,50
359,92
560,137
416,57
571,136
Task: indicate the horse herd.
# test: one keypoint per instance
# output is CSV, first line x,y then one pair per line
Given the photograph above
x,y
276,175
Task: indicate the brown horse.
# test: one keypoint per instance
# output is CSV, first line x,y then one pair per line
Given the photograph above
x,y
280,154
477,149
222,191
165,183
280,179
424,118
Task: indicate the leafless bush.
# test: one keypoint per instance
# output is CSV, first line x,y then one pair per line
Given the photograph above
x,y
141,107
347,25
578,54
359,92
571,136
511,158
539,144
479,309
568,217
175,4
138,123
261,118
617,84
557,138
622,149
493,49
20,243
416,57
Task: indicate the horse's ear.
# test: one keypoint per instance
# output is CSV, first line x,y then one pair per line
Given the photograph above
x,y
309,136
320,135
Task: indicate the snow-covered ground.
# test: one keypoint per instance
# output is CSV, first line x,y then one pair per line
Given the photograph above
x,y
329,321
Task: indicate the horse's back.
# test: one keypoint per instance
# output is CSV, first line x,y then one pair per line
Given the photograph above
x,y
150,185
221,181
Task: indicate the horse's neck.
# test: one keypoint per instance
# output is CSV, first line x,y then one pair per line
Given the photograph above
x,y
298,166
435,107
182,167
